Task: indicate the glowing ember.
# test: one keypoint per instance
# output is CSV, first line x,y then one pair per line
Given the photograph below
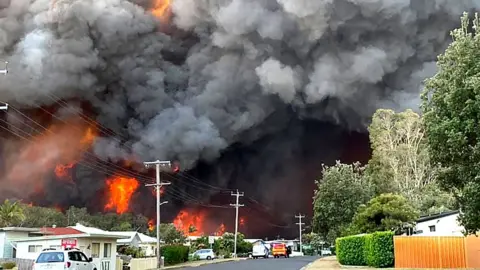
x,y
221,230
62,170
120,191
189,223
151,225
154,191
161,9
242,221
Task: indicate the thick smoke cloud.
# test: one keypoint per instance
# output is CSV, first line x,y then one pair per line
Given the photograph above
x,y
223,71
251,59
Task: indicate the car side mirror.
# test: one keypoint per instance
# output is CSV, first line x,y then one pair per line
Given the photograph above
x,y
90,259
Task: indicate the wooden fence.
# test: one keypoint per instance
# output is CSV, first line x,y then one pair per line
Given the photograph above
x,y
437,252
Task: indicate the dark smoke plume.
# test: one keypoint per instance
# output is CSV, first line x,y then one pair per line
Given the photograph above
x,y
224,72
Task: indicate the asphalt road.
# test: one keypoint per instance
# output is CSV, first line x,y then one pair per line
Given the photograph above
x,y
294,263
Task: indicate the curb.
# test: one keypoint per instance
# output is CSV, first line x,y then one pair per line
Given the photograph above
x,y
202,264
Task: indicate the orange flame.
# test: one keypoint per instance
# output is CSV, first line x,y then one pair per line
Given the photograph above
x,y
62,170
161,9
120,191
186,222
61,143
151,225
221,230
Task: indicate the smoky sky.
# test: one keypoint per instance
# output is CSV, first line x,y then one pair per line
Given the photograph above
x,y
250,59
220,73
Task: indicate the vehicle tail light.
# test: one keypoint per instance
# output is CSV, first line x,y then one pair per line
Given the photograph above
x,y
67,264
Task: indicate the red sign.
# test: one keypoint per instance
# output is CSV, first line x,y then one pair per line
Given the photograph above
x,y
69,243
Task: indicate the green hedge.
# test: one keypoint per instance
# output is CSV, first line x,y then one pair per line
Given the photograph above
x,y
381,251
374,250
174,254
350,250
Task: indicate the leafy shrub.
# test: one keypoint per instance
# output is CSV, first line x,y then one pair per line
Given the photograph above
x,y
368,249
381,250
8,265
132,251
350,250
174,254
374,250
193,257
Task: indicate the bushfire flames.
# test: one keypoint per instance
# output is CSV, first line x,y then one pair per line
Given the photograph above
x,y
120,190
151,225
190,224
161,9
221,230
61,143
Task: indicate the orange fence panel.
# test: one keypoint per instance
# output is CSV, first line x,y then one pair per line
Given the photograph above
x,y
472,245
430,252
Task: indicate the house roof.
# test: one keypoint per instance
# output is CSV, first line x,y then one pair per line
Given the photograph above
x,y
132,234
147,239
437,216
18,229
59,231
77,231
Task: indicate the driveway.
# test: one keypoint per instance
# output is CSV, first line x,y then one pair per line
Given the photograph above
x,y
293,263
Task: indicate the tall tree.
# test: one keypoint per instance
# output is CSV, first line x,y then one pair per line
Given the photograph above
x,y
400,160
170,234
451,107
11,213
342,189
387,212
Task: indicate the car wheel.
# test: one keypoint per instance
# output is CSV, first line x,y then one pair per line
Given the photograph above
x,y
209,258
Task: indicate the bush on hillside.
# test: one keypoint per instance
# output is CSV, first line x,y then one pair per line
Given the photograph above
x,y
174,254
381,251
351,250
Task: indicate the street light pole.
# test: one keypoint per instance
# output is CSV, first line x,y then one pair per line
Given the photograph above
x,y
158,185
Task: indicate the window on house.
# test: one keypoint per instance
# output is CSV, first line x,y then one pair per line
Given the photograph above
x,y
432,228
95,250
107,250
34,248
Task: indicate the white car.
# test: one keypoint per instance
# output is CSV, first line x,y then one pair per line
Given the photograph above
x,y
260,250
52,259
205,254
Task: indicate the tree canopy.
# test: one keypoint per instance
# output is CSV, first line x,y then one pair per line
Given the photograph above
x,y
11,213
451,108
386,212
400,160
338,195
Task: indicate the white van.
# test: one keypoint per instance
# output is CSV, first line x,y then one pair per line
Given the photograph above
x,y
259,250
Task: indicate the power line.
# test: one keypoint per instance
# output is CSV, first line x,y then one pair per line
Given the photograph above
x,y
236,205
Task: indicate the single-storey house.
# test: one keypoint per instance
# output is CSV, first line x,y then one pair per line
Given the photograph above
x,y
442,224
136,239
9,234
95,243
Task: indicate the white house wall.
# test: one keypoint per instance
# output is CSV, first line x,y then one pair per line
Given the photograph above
x,y
444,226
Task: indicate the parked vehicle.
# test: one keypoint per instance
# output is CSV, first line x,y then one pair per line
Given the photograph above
x,y
52,259
205,254
326,252
259,250
279,250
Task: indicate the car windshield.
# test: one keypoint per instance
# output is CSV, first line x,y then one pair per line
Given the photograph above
x,y
50,257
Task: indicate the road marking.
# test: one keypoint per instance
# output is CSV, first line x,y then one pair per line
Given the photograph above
x,y
305,267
